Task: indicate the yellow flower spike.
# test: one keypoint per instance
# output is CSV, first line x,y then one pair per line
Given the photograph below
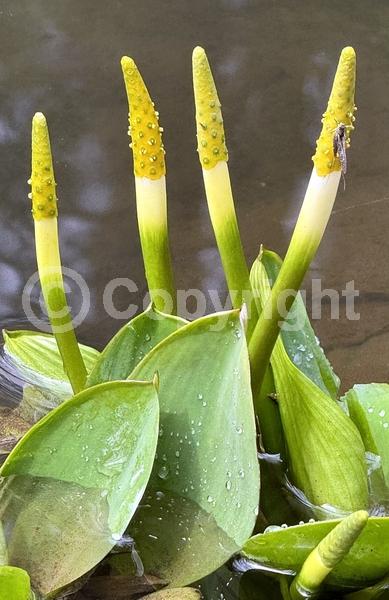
x,y
43,194
146,144
150,184
209,120
44,210
327,555
313,218
213,157
340,109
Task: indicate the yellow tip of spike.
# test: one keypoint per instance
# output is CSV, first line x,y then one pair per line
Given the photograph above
x,y
147,146
43,195
339,541
340,109
210,131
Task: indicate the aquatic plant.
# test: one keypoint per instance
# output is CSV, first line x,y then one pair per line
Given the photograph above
x,y
150,448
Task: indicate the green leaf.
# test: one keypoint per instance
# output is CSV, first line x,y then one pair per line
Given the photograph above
x,y
37,357
288,548
14,584
132,342
175,594
77,478
368,405
201,502
297,334
326,455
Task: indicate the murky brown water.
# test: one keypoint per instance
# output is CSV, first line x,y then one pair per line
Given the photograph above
x,y
273,62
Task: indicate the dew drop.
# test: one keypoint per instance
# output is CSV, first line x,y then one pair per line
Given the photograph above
x,y
271,528
163,472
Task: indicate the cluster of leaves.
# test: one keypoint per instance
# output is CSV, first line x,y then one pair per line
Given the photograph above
x,y
185,441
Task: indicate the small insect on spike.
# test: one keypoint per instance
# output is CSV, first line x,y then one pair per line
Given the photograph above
x,y
340,145
144,124
338,119
210,131
43,195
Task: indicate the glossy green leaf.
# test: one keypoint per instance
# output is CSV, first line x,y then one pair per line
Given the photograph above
x,y
326,456
14,584
297,334
368,405
37,357
77,478
132,342
175,594
287,549
202,499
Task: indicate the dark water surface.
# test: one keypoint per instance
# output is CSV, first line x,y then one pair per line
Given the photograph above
x,y
273,62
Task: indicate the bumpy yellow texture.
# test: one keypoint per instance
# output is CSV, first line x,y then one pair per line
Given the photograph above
x,y
340,109
339,541
43,195
146,144
209,121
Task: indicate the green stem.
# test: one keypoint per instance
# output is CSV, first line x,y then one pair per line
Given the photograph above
x,y
287,284
50,274
44,211
153,229
213,157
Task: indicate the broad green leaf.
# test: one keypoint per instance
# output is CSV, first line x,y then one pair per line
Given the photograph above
x,y
326,455
37,357
298,337
368,405
132,342
202,499
77,478
175,594
288,548
14,584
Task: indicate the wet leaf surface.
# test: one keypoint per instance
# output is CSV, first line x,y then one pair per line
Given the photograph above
x,y
287,548
131,344
72,484
368,405
202,499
